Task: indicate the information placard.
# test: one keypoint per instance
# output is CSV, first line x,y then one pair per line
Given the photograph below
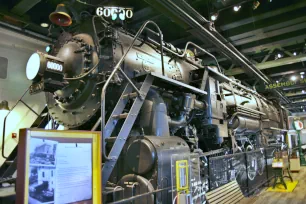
x,y
58,167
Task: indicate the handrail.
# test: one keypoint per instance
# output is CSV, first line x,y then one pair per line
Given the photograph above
x,y
4,121
116,68
210,69
202,49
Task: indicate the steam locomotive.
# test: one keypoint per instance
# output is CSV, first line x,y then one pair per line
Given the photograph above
x,y
185,106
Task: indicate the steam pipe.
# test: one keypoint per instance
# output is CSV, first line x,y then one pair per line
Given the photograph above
x,y
178,122
208,53
219,74
202,67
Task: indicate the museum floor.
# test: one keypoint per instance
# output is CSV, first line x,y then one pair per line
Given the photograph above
x,y
298,196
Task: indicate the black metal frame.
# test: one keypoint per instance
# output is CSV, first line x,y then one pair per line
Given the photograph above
x,y
247,186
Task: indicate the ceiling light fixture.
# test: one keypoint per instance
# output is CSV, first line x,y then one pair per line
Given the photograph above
x,y
303,91
301,73
294,53
277,81
214,17
4,109
237,8
44,25
293,78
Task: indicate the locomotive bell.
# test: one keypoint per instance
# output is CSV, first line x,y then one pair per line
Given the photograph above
x,y
60,16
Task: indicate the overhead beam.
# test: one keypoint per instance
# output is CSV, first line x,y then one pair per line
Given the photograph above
x,y
24,6
287,72
263,16
265,29
276,44
260,34
303,86
25,22
295,105
296,94
270,64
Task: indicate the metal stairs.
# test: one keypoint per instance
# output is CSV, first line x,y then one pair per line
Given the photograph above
x,y
129,117
138,96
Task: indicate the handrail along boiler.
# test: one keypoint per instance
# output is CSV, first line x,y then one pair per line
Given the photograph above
x,y
159,101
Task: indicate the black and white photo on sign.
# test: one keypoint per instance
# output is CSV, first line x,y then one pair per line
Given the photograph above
x,y
42,152
41,184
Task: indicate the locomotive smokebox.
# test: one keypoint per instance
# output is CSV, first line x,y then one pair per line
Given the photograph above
x,y
70,80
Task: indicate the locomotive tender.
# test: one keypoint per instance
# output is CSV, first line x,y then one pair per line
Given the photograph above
x,y
184,105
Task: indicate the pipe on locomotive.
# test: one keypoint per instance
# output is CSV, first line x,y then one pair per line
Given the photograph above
x,y
222,76
191,43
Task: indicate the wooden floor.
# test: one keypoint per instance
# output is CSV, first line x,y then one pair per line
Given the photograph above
x,y
298,196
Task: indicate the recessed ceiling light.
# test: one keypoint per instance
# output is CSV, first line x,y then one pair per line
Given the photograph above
x,y
294,53
293,78
237,8
44,25
276,81
214,16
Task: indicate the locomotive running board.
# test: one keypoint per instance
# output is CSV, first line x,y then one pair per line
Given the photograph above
x,y
126,127
160,78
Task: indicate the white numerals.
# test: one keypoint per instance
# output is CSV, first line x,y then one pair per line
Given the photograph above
x,y
115,12
54,66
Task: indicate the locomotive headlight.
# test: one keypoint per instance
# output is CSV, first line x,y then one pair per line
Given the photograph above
x,y
45,71
39,63
33,66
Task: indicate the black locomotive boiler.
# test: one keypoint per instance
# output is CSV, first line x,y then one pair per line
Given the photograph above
x,y
159,101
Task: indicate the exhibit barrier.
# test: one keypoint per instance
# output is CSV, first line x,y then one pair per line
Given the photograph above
x,y
251,169
198,164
